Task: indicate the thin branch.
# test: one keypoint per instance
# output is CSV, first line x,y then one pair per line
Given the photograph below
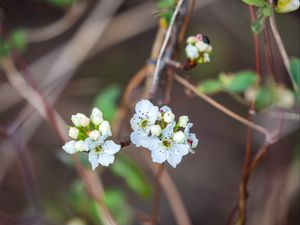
x,y
228,112
59,27
282,50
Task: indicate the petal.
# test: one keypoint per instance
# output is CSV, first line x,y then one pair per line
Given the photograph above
x,y
150,142
168,132
192,140
165,109
110,147
187,129
135,122
90,143
137,138
181,149
174,159
143,106
159,154
105,159
69,147
93,158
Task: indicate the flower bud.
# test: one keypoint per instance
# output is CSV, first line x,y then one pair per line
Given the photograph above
x,y
183,120
191,52
69,147
85,121
286,98
155,130
105,128
250,94
94,135
80,120
81,146
201,46
96,116
73,132
169,117
192,141
191,40
179,137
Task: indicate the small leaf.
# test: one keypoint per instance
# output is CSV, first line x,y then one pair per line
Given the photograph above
x,y
106,101
265,97
133,176
210,87
241,81
295,70
18,40
5,48
267,10
258,3
115,201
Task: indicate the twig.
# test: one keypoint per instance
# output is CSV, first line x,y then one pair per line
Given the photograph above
x,y
282,50
159,67
217,105
156,198
59,27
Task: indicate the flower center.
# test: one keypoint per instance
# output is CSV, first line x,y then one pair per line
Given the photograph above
x,y
144,123
166,143
98,149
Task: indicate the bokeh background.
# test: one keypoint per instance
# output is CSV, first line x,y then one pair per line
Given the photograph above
x,y
39,185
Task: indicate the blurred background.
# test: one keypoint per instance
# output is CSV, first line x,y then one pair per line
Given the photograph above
x,y
82,55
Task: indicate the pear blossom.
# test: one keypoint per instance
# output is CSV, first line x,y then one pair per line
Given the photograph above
x,y
101,152
90,134
198,48
105,129
166,139
73,132
182,121
96,116
191,52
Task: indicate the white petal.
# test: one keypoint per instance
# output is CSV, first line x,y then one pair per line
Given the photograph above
x,y
93,158
105,159
143,106
168,132
192,140
174,159
150,142
96,112
165,109
110,147
90,143
159,154
181,149
191,52
135,122
137,138
187,129
69,147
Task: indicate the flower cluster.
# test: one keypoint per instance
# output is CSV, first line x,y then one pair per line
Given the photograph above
x,y
198,48
90,134
285,6
157,130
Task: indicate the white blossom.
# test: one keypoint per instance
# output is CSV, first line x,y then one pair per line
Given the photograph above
x,y
96,116
102,152
179,137
94,134
69,147
169,117
105,129
191,52
156,130
73,132
182,121
201,46
80,120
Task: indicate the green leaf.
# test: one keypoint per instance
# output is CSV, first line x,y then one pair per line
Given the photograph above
x,y
295,70
267,10
106,101
114,199
210,87
265,97
242,81
133,176
258,3
18,39
5,48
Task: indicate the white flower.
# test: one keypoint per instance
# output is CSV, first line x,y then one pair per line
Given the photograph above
x,y
69,147
201,46
145,116
102,152
191,139
182,121
169,117
191,52
179,137
73,132
80,120
155,130
81,146
105,129
285,6
165,149
96,116
191,40
94,135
